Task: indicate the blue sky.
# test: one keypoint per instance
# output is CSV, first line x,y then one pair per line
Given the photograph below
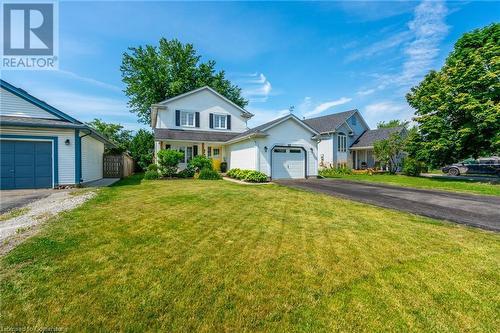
x,y
320,57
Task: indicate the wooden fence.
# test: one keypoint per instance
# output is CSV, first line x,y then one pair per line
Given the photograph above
x,y
118,166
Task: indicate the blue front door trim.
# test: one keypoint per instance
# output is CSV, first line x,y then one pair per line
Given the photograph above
x,y
55,168
78,157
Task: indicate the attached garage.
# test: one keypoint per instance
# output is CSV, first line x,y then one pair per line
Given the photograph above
x,y
288,162
283,148
42,147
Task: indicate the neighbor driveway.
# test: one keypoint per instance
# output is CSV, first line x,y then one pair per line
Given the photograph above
x,y
474,210
10,199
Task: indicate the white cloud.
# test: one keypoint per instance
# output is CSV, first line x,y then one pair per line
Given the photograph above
x,y
381,46
386,110
429,29
365,92
322,107
90,80
256,87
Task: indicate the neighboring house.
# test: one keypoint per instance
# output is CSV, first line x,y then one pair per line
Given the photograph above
x,y
362,149
203,122
42,147
346,140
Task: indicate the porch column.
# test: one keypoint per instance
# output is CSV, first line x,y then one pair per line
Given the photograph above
x,y
203,149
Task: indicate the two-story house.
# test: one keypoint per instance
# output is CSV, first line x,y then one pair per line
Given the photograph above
x,y
347,140
203,122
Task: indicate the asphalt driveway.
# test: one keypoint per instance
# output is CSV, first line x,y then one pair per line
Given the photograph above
x,y
474,210
10,199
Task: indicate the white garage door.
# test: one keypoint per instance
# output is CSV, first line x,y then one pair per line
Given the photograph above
x,y
288,163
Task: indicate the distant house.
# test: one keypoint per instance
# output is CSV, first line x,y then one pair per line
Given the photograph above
x,y
347,140
203,122
43,147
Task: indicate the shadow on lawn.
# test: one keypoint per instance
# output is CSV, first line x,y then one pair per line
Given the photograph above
x,y
135,179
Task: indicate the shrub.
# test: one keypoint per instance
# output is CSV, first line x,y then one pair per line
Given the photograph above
x,y
255,177
200,162
151,174
168,161
223,167
209,174
152,167
335,172
247,175
412,167
232,173
186,173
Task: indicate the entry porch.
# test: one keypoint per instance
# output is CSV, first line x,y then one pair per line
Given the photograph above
x,y
214,150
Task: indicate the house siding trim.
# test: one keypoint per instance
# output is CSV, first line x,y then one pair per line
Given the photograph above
x,y
55,157
78,157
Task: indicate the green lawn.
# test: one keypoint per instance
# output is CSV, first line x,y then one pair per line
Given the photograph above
x,y
193,255
429,183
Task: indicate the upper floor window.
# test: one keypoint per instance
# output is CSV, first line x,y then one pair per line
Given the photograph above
x,y
341,142
187,119
354,121
220,121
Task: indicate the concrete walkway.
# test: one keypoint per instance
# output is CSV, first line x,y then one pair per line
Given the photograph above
x,y
103,182
474,210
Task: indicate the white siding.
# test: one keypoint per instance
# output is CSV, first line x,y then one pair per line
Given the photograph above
x,y
204,102
92,159
242,155
251,154
12,105
66,153
325,148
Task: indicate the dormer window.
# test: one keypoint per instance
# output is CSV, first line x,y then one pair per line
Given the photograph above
x,y
187,119
220,121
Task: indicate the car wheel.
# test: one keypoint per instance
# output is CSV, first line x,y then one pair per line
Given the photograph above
x,y
453,172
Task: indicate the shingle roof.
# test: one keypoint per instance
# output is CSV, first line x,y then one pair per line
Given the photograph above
x,y
258,129
329,122
37,122
192,135
368,138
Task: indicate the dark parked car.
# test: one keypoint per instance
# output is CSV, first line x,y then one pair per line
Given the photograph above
x,y
481,166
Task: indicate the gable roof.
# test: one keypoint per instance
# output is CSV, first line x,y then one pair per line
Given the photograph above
x,y
261,129
368,138
330,122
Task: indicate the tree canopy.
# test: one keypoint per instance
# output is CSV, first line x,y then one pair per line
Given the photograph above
x,y
155,73
113,132
392,123
457,107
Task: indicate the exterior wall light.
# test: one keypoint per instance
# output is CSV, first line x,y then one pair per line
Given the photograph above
x,y
265,149
66,142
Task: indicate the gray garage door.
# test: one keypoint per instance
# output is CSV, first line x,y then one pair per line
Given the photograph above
x,y
25,164
288,163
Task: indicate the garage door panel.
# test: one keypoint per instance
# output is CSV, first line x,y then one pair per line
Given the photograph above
x,y
288,163
26,164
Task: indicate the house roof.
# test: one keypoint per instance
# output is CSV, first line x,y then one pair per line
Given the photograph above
x,y
191,135
260,130
329,122
368,138
37,122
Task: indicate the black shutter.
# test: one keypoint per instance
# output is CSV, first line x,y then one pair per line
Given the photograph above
x,y
177,118
195,149
228,119
197,119
211,120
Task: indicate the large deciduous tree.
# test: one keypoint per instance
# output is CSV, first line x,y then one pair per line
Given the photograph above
x,y
141,148
457,108
390,151
155,73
